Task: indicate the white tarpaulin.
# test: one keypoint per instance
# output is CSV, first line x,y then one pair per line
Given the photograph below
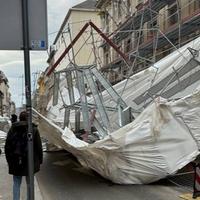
x,y
162,139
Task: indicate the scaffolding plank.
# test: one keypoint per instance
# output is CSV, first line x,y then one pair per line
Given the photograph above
x,y
83,98
127,116
56,88
66,117
70,87
108,88
77,120
170,79
120,115
100,107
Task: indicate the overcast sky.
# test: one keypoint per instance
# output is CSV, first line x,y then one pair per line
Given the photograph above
x,y
11,62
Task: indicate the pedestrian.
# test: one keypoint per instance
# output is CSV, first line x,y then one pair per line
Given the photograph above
x,y
13,118
16,151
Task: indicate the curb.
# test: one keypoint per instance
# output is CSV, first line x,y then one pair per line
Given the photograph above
x,y
38,194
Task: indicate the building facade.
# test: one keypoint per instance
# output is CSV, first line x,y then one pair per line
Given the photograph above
x,y
44,92
7,107
146,31
81,52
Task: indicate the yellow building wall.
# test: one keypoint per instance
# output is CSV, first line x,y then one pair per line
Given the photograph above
x,y
84,56
6,99
41,85
84,51
61,45
4,90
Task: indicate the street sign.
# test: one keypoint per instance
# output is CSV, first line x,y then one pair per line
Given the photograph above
x,y
11,33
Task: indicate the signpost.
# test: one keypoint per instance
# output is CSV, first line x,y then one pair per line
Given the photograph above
x,y
11,33
24,25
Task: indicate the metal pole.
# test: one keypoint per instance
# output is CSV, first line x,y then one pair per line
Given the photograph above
x,y
179,22
1,103
25,17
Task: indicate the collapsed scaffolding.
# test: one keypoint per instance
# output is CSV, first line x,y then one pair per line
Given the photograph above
x,y
135,126
96,82
89,78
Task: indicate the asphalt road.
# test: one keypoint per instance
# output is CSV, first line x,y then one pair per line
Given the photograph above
x,y
6,183
62,178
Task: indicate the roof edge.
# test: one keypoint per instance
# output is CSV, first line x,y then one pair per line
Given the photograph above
x,y
62,25
67,17
85,9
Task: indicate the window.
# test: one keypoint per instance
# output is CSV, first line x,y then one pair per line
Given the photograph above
x,y
128,6
106,58
119,9
106,55
139,35
152,25
107,22
128,45
128,3
173,14
196,5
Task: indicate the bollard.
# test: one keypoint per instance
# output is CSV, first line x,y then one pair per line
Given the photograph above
x,y
196,186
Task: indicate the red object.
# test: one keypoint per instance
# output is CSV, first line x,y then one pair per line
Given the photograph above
x,y
51,69
110,43
139,6
196,192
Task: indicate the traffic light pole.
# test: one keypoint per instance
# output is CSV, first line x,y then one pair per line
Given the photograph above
x,y
25,17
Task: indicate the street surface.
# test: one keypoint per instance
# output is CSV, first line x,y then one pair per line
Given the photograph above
x,y
6,182
62,178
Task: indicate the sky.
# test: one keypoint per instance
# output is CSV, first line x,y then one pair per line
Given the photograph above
x,y
11,62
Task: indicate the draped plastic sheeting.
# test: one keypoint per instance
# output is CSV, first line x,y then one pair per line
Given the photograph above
x,y
3,136
162,139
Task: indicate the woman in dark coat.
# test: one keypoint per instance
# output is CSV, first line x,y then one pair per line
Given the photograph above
x,y
16,150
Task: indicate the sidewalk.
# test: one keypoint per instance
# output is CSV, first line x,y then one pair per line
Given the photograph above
x,y
6,183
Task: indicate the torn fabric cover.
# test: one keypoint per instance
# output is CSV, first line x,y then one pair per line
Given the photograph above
x,y
162,139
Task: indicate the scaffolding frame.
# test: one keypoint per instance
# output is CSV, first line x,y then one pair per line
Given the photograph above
x,y
90,74
149,10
